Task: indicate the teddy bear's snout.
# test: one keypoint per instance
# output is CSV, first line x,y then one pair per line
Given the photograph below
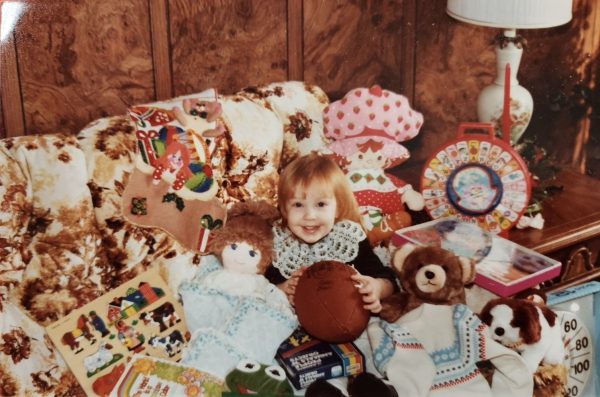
x,y
431,278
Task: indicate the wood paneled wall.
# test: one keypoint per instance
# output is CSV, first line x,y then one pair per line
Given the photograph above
x,y
68,62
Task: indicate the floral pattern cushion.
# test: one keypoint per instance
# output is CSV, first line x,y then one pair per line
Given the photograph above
x,y
300,107
64,241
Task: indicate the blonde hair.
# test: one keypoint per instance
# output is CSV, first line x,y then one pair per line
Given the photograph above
x,y
315,169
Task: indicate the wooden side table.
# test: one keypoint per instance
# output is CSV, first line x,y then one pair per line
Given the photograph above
x,y
571,233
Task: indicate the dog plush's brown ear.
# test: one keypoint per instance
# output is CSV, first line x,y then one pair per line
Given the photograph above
x,y
549,314
485,315
526,318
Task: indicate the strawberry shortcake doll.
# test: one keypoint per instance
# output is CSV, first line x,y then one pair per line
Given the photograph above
x,y
366,126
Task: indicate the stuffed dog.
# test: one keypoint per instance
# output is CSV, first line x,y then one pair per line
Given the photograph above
x,y
526,327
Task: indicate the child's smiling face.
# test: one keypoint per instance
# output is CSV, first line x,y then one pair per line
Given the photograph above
x,y
311,212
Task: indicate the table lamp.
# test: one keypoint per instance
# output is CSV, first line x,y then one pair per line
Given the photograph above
x,y
509,15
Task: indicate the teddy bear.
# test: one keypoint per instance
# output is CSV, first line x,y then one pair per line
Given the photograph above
x,y
229,305
429,343
366,126
427,275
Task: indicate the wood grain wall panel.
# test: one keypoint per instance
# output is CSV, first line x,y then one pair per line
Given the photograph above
x,y
409,41
556,69
76,60
593,145
80,60
2,129
349,44
163,78
295,39
454,61
227,44
10,90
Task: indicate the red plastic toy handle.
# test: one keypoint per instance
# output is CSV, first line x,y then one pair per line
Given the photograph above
x,y
489,127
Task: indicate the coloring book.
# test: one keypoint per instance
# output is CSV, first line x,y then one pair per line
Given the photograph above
x,y
151,376
98,339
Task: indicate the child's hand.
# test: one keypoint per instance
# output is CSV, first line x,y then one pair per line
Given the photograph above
x,y
289,286
371,290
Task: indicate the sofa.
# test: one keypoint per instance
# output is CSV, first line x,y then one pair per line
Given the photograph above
x,y
64,239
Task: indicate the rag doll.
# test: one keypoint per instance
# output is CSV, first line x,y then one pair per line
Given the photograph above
x,y
366,126
431,343
233,312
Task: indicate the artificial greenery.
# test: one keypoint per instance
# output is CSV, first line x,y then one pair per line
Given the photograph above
x,y
543,171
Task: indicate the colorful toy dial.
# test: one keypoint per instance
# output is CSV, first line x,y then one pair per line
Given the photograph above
x,y
478,179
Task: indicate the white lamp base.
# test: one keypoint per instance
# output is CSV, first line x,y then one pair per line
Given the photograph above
x,y
490,102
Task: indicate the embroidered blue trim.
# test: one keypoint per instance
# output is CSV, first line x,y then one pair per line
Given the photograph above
x,y
383,352
242,304
454,364
457,363
207,337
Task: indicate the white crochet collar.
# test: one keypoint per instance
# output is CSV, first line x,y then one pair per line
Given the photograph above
x,y
341,244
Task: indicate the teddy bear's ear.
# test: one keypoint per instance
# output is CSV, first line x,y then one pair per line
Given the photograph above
x,y
401,255
468,267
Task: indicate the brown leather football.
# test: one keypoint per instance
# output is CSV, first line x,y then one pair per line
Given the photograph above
x,y
328,304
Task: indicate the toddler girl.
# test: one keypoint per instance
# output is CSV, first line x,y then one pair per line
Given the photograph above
x,y
320,221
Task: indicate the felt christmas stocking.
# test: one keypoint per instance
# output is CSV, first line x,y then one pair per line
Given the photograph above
x,y
173,185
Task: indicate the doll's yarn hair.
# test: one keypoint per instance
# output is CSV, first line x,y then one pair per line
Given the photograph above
x,y
249,222
322,171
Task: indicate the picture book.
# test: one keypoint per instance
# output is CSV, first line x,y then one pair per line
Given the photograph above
x,y
502,266
152,376
306,359
139,316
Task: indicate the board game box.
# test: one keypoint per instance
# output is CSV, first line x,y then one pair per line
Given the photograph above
x,y
306,359
502,266
139,316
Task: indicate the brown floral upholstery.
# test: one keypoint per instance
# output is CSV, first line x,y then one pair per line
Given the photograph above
x,y
64,241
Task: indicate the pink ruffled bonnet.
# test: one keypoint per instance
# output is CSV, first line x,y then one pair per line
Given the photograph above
x,y
375,114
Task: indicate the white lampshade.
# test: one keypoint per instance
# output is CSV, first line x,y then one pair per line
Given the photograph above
x,y
512,14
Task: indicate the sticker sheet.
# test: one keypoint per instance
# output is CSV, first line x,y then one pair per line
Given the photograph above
x,y
98,339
